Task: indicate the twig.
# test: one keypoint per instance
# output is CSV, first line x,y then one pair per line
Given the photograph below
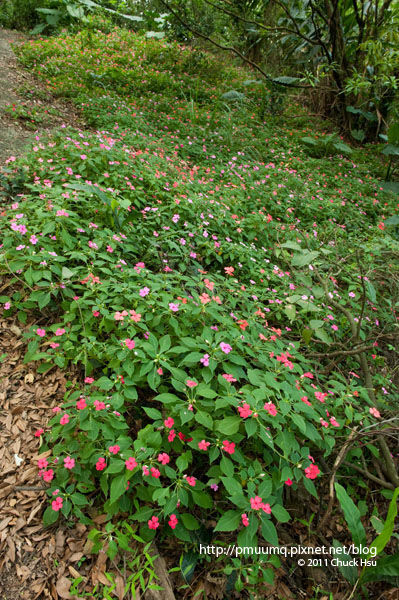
x,y
230,49
29,488
369,475
337,463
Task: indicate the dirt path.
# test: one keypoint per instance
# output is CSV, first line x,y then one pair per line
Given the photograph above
x,y
13,136
35,110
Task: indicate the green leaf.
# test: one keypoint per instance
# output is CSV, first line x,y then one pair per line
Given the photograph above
x,y
66,273
50,516
205,391
190,522
233,96
349,572
352,515
118,487
204,419
381,541
167,398
202,499
344,148
387,568
155,34
229,425
232,485
153,413
226,466
305,258
269,531
391,150
229,521
371,291
280,513
105,384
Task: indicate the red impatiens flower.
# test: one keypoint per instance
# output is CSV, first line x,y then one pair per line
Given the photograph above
x,y
312,471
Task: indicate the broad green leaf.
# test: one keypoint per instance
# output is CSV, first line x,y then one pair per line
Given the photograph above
x,y
352,515
381,541
229,521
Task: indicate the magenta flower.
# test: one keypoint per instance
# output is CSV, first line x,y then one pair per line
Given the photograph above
x,y
41,332
163,458
203,445
153,523
81,404
226,348
205,360
69,463
57,504
131,463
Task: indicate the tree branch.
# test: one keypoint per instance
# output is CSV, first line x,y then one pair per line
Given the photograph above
x,y
230,49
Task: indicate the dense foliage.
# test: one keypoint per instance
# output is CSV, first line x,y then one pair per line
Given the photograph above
x,y
224,294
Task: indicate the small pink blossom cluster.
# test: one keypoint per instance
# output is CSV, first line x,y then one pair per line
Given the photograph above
x,y
258,504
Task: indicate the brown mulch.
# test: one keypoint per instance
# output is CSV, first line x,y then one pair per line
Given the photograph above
x,y
28,551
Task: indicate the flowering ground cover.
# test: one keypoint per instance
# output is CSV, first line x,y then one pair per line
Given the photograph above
x,y
230,301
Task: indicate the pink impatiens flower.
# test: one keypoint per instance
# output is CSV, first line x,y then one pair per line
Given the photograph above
x,y
101,464
163,458
173,521
321,396
245,411
228,447
312,471
375,412
270,408
205,360
48,475
131,463
229,378
191,384
114,449
226,348
191,481
155,472
69,463
153,523
57,504
244,519
130,344
173,306
64,419
169,422
41,332
81,404
256,502
203,445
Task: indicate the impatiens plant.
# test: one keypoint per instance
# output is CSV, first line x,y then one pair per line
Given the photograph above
x,y
224,303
